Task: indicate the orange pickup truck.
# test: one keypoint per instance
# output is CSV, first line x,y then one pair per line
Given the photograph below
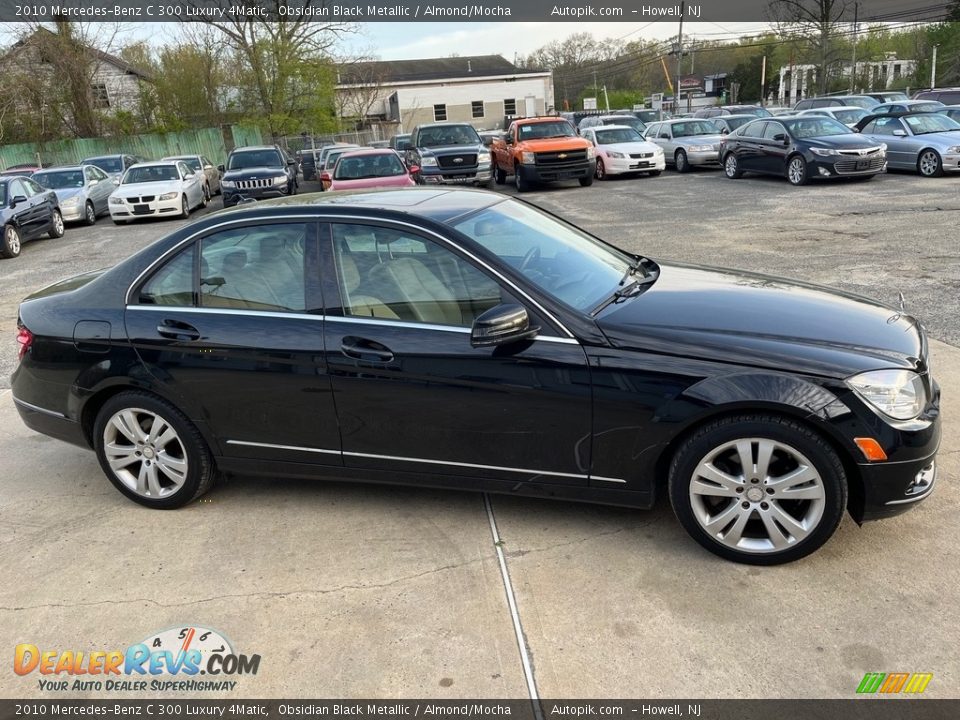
x,y
545,149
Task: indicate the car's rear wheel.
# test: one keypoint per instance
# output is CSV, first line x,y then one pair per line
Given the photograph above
x,y
797,170
57,227
758,489
89,214
151,452
10,244
929,164
681,162
601,172
731,167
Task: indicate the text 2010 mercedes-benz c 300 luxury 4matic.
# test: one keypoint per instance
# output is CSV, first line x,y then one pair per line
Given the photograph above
x,y
463,339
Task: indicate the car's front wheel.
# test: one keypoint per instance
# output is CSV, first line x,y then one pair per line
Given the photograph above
x,y
499,176
89,214
929,164
184,206
680,161
601,172
731,167
519,180
797,170
151,452
758,489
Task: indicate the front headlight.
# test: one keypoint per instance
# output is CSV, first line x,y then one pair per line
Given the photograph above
x,y
611,153
954,149
700,148
483,158
528,158
591,152
824,152
228,184
428,161
116,201
883,148
168,196
657,150
897,393
280,180
71,202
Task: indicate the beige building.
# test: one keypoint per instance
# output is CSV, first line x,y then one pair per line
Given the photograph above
x,y
481,90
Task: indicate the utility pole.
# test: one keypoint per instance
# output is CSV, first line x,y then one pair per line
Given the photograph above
x,y
606,98
676,94
853,61
595,82
763,81
933,68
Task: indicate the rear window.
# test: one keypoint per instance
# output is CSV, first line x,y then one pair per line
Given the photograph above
x,y
107,164
947,97
448,135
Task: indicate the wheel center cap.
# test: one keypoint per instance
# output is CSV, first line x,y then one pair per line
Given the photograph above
x,y
754,494
149,453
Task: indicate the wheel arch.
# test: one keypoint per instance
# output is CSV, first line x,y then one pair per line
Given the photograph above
x,y
928,149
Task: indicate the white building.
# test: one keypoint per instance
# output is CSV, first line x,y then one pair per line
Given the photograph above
x,y
481,90
800,81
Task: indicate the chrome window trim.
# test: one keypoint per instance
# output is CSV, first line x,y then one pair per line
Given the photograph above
x,y
37,408
226,311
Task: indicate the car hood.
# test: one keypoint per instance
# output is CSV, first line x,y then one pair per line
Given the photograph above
x,y
453,149
150,188
950,138
714,140
631,147
749,319
853,141
254,173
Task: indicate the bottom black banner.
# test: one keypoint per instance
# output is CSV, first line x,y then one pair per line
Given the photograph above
x,y
894,708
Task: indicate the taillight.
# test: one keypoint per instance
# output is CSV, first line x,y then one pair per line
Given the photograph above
x,y
24,340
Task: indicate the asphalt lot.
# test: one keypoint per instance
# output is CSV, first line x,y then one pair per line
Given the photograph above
x,y
354,591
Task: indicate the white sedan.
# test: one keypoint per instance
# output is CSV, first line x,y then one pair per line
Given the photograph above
x,y
157,188
621,150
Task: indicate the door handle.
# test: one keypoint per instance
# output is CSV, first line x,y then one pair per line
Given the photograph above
x,y
365,350
177,330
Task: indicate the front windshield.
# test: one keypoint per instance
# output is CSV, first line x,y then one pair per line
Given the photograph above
x,y
191,161
558,128
851,116
150,173
60,179
735,122
401,142
810,127
255,158
107,164
756,112
923,124
694,127
561,260
362,167
3,194
617,135
627,120
442,135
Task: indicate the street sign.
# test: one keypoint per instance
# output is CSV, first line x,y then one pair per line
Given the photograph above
x,y
590,103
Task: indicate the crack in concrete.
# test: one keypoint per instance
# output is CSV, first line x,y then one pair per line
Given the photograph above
x,y
578,541
264,595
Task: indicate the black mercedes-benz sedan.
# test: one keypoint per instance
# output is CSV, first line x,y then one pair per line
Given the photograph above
x,y
463,339
802,148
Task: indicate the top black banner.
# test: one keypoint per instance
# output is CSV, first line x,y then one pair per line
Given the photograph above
x,y
326,11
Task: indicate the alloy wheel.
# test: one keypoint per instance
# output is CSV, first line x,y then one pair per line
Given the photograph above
x,y
91,214
796,171
12,240
57,223
600,172
757,495
929,163
145,453
730,166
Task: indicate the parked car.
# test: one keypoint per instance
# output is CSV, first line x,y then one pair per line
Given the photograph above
x,y
928,143
538,150
113,165
687,142
488,136
308,163
83,191
948,96
257,172
620,150
200,164
862,101
619,120
649,116
449,153
400,142
951,111
849,115
156,189
777,110
729,123
801,148
27,211
712,112
330,161
365,169
908,106
887,96
468,340
21,169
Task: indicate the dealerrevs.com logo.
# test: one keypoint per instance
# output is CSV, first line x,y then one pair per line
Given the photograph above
x,y
169,661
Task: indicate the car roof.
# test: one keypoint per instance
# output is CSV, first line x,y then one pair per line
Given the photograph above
x,y
154,163
254,147
734,117
179,157
611,127
811,111
58,168
369,151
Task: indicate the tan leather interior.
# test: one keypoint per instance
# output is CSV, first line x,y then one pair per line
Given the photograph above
x,y
358,303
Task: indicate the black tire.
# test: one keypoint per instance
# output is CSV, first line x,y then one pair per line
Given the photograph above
x,y
586,181
89,214
293,187
831,482
57,228
654,173
10,242
600,173
929,163
797,171
731,167
201,470
521,183
206,196
487,184
184,206
499,176
680,161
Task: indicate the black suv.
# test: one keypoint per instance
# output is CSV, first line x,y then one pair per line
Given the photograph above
x,y
449,154
258,172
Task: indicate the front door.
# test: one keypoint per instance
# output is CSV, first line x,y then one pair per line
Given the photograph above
x,y
411,392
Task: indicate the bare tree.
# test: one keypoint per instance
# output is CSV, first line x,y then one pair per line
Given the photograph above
x,y
360,87
817,22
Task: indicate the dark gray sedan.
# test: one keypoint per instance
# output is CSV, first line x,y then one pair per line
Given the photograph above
x,y
928,143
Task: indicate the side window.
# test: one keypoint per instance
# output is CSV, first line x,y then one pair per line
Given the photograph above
x,y
98,173
753,129
17,188
32,187
772,129
393,275
870,127
172,284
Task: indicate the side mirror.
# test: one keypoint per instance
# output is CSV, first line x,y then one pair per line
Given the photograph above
x,y
900,133
724,131
221,168
414,169
17,199
664,136
116,181
325,176
780,137
189,175
501,325
487,141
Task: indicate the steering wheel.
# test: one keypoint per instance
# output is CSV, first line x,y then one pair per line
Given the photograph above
x,y
532,256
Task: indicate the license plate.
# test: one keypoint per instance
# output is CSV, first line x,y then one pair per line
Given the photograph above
x,y
141,209
564,175
642,165
863,164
